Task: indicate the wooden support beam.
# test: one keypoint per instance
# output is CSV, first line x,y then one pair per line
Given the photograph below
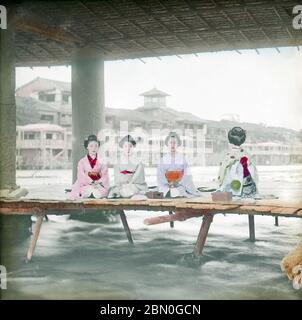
x,y
180,215
171,222
44,31
276,221
252,228
203,233
126,226
34,238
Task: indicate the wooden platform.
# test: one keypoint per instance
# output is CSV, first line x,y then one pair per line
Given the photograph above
x,y
60,207
179,209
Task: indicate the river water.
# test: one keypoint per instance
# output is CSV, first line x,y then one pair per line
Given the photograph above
x,y
92,260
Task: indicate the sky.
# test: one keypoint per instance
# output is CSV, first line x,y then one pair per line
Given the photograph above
x,y
260,88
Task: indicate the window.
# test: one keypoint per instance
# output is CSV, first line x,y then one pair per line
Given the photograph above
x,y
29,136
65,98
49,136
47,117
50,97
162,101
208,144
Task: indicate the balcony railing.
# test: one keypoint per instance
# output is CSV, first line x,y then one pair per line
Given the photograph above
x,y
48,143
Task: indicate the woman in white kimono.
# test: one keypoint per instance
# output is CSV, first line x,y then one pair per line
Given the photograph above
x,y
173,175
238,173
129,174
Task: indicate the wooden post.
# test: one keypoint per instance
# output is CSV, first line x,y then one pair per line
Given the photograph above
x,y
87,84
171,222
203,233
252,227
126,226
276,221
34,237
7,110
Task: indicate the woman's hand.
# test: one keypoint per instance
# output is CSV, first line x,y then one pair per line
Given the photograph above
x,y
98,182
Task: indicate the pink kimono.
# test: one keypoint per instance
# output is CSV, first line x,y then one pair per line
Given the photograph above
x,y
84,185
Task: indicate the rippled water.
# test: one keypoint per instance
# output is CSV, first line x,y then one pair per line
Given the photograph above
x,y
89,260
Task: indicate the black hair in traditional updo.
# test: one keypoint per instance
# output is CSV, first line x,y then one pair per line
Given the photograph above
x,y
174,135
237,136
127,138
90,138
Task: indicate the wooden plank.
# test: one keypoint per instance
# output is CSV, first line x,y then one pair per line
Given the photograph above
x,y
16,211
232,202
161,203
286,211
28,206
278,203
164,202
214,206
257,208
268,209
97,202
251,202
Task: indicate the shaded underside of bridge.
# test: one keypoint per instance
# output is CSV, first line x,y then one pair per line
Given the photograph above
x,y
51,32
84,34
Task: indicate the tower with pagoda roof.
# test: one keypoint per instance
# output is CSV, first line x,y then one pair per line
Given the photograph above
x,y
154,98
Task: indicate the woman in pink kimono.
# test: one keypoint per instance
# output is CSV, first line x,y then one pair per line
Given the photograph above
x,y
92,178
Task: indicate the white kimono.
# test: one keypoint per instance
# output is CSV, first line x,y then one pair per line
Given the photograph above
x,y
185,187
129,178
231,169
